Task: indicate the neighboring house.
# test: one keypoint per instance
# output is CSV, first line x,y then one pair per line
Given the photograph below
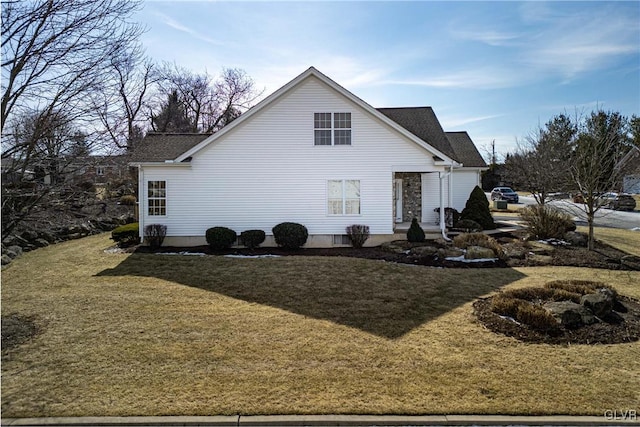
x,y
98,169
12,172
631,181
312,153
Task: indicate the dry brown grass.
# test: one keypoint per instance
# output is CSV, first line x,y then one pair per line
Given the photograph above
x,y
625,240
154,335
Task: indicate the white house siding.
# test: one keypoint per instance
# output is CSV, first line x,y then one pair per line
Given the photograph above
x,y
267,170
463,183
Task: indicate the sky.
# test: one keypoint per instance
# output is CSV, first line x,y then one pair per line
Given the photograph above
x,y
498,70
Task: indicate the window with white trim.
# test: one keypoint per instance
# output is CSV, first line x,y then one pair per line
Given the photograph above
x,y
343,197
100,170
157,198
332,128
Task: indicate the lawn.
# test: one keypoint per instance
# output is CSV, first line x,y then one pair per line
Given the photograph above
x,y
625,240
146,334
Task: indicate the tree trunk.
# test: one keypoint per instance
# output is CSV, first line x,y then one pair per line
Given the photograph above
x,y
591,241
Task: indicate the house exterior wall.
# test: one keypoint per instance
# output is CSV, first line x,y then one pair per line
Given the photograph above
x,y
267,170
631,184
463,183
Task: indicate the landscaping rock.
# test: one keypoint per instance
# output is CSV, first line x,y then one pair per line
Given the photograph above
x,y
393,247
514,250
600,303
29,235
450,252
540,248
41,243
423,251
15,249
6,259
535,259
479,252
576,238
569,314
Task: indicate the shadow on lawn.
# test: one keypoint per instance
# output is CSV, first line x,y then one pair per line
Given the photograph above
x,y
373,296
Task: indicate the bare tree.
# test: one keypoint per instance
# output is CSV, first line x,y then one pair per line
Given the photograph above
x,y
541,161
207,104
55,55
599,161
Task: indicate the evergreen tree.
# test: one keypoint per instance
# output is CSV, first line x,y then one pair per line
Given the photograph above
x,y
477,209
415,233
173,117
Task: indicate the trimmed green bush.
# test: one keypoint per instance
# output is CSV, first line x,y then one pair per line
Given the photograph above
x,y
358,234
128,234
415,233
154,235
220,237
477,209
252,238
290,235
544,222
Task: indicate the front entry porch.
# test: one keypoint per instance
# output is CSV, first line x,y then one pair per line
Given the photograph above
x,y
431,229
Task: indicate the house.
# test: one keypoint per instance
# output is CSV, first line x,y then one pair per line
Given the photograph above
x,y
631,180
312,153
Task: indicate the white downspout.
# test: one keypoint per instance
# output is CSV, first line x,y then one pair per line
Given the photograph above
x,y
450,202
141,208
443,226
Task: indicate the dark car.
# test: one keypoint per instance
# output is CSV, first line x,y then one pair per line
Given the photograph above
x,y
504,193
618,202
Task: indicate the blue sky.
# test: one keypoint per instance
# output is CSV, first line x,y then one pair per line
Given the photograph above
x,y
495,69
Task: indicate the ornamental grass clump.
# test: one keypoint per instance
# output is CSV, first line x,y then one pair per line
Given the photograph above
x,y
477,209
358,234
220,238
415,233
545,222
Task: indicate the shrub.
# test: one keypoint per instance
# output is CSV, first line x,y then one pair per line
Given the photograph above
x,y
468,225
252,238
506,306
290,235
543,222
220,237
358,234
154,235
415,233
477,209
128,200
128,234
465,240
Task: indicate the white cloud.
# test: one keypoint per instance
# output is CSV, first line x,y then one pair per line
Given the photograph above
x,y
454,122
487,77
167,20
490,37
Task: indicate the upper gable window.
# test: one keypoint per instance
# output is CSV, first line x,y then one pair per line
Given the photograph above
x,y
332,128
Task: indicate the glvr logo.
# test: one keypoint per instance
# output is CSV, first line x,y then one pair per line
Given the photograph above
x,y
628,415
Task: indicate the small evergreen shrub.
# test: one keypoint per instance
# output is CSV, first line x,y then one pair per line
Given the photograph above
x,y
468,225
477,209
128,234
415,233
220,237
358,234
465,240
543,222
252,238
128,200
290,235
154,235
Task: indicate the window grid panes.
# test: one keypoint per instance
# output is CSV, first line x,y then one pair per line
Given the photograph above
x,y
343,197
332,128
157,197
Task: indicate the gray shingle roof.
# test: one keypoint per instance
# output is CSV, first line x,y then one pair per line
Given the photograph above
x,y
158,147
423,123
465,150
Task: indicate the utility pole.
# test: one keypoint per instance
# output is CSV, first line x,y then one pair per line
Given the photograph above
x,y
493,152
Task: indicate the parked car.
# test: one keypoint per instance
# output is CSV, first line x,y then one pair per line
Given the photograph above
x,y
504,193
618,202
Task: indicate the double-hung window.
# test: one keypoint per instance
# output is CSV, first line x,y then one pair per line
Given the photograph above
x,y
332,128
343,197
157,198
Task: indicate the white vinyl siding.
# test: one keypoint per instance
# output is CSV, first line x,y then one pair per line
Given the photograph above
x,y
267,171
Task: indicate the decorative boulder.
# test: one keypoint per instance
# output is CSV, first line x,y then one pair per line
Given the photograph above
x,y
479,252
576,238
423,251
569,314
6,259
601,303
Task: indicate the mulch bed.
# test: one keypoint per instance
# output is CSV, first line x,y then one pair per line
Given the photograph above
x,y
604,256
619,328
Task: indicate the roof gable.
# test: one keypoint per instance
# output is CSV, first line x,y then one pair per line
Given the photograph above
x,y
159,147
327,81
465,150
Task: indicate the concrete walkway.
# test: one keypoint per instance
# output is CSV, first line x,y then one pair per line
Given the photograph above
x,y
609,419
